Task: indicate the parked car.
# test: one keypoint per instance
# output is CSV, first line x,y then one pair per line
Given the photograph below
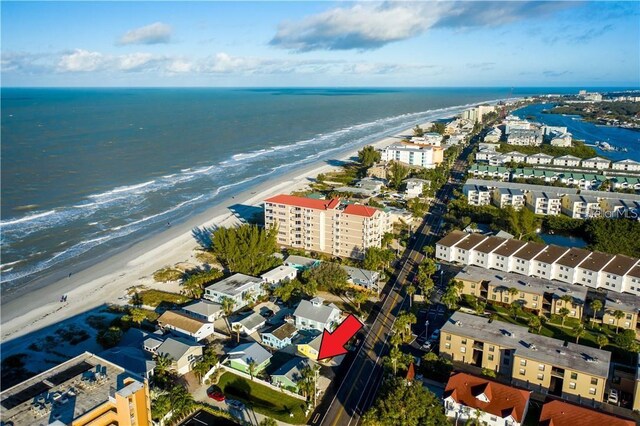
x,y
237,405
613,396
216,395
435,335
426,346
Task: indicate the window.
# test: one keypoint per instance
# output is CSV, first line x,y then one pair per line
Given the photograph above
x,y
491,348
572,385
448,337
594,381
523,371
464,341
592,391
523,362
447,345
574,376
541,367
490,357
463,349
540,376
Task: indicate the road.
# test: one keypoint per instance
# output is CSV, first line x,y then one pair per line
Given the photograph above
x,y
357,390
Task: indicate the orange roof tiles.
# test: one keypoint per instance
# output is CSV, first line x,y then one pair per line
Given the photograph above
x,y
360,210
560,413
503,400
308,203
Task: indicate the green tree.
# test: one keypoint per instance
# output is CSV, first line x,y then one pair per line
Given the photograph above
x,y
618,315
438,128
596,306
398,173
368,156
268,421
417,131
252,368
563,312
137,315
247,249
515,309
136,299
359,297
406,404
488,372
237,327
579,331
403,324
200,368
194,284
228,304
451,295
376,258
163,363
411,290
397,359
513,292
535,323
602,341
181,401
328,276
160,405
110,337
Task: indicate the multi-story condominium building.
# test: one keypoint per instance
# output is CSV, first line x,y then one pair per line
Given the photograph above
x,y
580,207
516,157
566,161
501,173
539,158
617,273
544,203
597,163
512,123
241,288
85,390
561,139
525,137
477,195
493,135
562,413
503,197
582,180
626,165
533,361
327,226
476,114
427,156
490,403
484,154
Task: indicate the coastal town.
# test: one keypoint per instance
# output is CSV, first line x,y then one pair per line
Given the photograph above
x,y
445,243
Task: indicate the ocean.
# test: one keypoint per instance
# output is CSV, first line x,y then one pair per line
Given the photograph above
x,y
90,170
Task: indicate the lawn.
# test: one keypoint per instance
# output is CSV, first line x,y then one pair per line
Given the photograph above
x,y
263,399
155,298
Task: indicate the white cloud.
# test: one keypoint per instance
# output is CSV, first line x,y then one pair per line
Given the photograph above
x,y
156,33
180,66
81,61
137,61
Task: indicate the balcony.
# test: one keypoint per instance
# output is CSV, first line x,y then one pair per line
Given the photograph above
x,y
557,372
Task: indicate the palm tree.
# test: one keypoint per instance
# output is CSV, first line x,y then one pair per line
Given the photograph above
x,y
513,292
596,306
579,331
237,327
163,363
200,368
252,368
563,312
395,340
515,309
534,322
411,290
359,297
480,306
137,315
181,401
227,304
602,341
618,315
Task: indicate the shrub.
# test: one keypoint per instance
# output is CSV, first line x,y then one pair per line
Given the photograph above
x,y
167,274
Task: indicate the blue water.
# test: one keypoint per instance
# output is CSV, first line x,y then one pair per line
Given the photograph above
x,y
589,132
86,170
563,240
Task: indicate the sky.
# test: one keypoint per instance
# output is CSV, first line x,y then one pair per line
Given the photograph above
x,y
295,44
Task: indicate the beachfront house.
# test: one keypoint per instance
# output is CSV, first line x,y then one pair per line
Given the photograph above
x,y
203,310
363,278
241,288
314,314
182,324
279,274
279,337
249,324
290,373
301,263
240,357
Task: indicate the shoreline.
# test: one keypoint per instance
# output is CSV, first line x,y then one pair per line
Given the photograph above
x,y
106,280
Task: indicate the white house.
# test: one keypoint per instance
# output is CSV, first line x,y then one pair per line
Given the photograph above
x,y
626,165
203,310
185,325
597,163
415,187
249,324
493,135
566,161
278,274
315,315
490,403
525,137
363,278
240,288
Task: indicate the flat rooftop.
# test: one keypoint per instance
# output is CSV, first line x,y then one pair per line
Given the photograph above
x,y
531,346
234,285
64,392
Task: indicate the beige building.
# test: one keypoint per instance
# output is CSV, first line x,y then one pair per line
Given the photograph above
x,y
86,390
327,226
536,362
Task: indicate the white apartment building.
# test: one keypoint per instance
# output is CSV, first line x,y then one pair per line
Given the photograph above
x,y
503,197
616,273
544,203
327,226
426,156
512,123
626,165
597,163
493,135
566,161
477,195
539,158
476,114
563,140
525,137
580,207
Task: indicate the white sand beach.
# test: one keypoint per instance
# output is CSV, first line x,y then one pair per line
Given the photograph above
x,y
107,281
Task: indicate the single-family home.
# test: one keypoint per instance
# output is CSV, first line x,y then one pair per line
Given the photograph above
x,y
363,278
468,397
566,161
314,314
185,325
301,263
415,187
203,310
242,356
626,165
309,346
290,373
183,353
373,185
597,163
240,288
279,274
279,337
249,324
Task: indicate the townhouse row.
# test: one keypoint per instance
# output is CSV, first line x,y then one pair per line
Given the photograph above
x,y
545,297
617,273
552,201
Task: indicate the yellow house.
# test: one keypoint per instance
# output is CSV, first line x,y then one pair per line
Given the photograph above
x,y
536,362
86,390
310,347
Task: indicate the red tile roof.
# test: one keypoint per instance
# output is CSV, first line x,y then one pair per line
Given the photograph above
x,y
308,203
503,400
360,210
560,413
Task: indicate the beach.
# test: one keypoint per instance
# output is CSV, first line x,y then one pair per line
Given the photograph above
x,y
106,281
